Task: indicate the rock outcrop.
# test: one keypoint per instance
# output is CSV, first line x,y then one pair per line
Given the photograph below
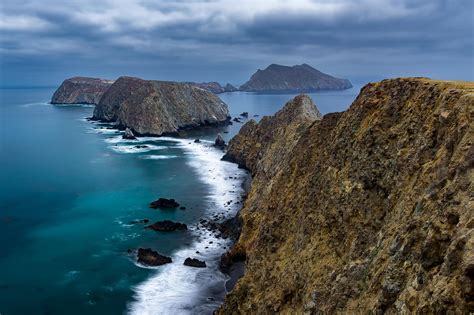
x,y
159,107
149,257
164,203
366,211
167,226
299,78
81,90
194,262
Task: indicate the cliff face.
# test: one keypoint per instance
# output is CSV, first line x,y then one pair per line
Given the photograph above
x,y
80,90
367,210
158,107
300,78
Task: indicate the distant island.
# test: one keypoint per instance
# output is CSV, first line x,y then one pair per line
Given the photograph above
x,y
149,107
81,90
298,78
215,87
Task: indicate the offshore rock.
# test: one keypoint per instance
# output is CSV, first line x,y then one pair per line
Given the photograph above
x,y
219,142
128,135
164,203
81,90
299,78
193,262
149,257
167,226
159,107
365,211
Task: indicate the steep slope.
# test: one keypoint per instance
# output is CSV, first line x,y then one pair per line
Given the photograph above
x,y
299,78
159,107
80,90
371,210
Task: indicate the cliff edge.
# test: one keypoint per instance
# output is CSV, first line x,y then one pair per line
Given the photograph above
x,y
369,210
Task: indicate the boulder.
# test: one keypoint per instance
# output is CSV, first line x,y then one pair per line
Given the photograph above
x,y
167,226
149,257
129,135
164,203
219,142
193,262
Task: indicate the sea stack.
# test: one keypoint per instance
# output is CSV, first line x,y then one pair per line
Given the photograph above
x,y
365,211
299,78
81,90
159,107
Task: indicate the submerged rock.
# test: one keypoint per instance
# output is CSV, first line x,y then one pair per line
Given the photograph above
x,y
167,226
164,203
193,262
245,114
149,257
128,135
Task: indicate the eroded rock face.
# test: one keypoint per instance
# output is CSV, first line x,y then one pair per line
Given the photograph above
x,y
370,210
298,78
81,90
159,107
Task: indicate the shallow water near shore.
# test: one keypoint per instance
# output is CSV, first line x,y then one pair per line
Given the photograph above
x,y
70,188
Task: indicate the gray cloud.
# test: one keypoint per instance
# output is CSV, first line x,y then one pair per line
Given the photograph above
x,y
42,42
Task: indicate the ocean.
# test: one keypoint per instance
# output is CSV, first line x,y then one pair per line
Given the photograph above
x,y
70,189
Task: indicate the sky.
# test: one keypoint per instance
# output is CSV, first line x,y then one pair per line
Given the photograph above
x,y
43,42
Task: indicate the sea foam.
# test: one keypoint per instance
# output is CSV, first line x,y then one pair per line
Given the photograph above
x,y
179,289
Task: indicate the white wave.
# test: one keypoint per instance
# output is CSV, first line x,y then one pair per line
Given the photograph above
x,y
158,157
36,104
136,149
119,139
178,289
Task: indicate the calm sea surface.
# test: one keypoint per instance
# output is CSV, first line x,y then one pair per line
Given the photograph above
x,y
69,189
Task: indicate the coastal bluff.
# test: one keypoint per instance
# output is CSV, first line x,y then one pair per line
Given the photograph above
x,y
149,107
81,90
364,211
299,78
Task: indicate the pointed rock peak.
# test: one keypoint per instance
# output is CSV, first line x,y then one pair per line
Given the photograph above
x,y
301,107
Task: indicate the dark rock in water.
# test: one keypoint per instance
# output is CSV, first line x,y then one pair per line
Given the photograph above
x,y
193,262
245,114
237,119
81,90
129,135
197,141
167,226
149,257
182,208
140,221
299,78
160,107
225,132
219,142
164,203
141,146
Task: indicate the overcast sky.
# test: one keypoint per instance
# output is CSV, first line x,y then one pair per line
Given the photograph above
x,y
45,41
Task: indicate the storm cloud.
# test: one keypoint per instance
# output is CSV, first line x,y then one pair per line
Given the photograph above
x,y
43,42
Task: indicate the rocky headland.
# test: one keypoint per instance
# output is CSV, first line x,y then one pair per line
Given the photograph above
x,y
149,107
81,90
366,211
298,78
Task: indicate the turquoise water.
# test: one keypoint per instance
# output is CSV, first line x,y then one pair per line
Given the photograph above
x,y
70,188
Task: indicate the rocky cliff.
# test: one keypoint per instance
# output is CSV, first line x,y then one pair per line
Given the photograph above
x,y
159,107
366,211
215,87
299,78
81,90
